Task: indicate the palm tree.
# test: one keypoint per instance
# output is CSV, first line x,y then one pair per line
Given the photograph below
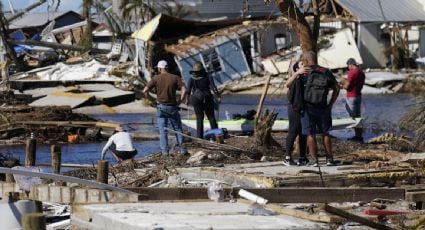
x,y
177,10
87,40
138,10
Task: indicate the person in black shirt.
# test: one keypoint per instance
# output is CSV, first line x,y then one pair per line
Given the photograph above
x,y
295,92
200,86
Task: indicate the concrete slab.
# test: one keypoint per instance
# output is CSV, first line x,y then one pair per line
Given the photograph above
x,y
114,97
41,92
97,87
63,99
275,174
181,215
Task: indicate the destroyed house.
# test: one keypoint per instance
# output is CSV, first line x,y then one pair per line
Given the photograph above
x,y
233,52
380,24
33,23
205,10
163,30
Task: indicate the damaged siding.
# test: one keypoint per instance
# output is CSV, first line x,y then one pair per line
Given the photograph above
x,y
233,64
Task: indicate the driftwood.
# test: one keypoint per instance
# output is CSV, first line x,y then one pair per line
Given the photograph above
x,y
263,129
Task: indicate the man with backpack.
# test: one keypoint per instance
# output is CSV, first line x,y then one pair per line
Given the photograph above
x,y
316,117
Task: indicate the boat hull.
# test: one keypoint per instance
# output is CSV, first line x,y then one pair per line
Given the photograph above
x,y
244,125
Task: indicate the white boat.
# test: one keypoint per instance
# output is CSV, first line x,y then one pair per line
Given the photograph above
x,y
244,125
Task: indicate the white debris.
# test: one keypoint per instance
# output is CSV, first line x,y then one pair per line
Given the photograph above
x,y
92,70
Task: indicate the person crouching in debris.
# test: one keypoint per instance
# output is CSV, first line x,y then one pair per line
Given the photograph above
x,y
317,116
295,103
166,85
200,86
120,144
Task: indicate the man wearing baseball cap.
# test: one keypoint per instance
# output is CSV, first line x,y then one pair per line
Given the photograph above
x,y
354,85
166,85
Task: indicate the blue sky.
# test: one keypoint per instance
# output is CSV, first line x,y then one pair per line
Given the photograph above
x,y
64,5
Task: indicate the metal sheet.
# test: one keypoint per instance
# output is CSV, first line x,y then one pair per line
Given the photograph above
x,y
385,10
63,178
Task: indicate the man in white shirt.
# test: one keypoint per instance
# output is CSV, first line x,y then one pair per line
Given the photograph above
x,y
120,145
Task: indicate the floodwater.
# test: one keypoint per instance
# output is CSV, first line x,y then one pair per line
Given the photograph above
x,y
381,112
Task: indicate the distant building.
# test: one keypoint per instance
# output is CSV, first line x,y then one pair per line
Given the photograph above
x,y
376,23
233,52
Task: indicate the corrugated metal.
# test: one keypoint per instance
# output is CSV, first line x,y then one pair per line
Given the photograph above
x,y
391,10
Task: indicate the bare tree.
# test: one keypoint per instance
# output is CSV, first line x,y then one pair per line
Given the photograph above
x,y
307,34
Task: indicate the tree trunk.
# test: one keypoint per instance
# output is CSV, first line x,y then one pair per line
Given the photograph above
x,y
298,22
307,36
263,129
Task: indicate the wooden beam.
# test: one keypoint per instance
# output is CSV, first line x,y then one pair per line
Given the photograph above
x,y
358,219
279,195
263,97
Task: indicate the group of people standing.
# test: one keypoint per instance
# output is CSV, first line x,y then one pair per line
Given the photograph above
x,y
199,92
309,110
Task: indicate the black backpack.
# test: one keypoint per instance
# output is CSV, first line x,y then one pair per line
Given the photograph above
x,y
316,88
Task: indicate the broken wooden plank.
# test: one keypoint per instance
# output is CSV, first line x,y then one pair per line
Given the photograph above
x,y
303,214
279,195
356,218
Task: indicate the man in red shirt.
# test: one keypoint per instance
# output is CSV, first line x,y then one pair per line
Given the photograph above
x,y
354,85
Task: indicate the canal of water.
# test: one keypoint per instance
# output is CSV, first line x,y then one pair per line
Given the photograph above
x,y
381,114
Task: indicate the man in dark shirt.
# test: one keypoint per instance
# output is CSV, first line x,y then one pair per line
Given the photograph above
x,y
166,85
354,86
316,118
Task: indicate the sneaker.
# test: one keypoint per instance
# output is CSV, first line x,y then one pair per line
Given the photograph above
x,y
314,164
288,161
330,162
302,161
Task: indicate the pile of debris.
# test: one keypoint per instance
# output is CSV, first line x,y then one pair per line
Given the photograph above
x,y
47,124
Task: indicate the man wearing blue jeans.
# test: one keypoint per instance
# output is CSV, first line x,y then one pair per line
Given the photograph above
x,y
166,85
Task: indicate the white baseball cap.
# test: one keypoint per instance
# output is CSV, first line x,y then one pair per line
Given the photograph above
x,y
162,64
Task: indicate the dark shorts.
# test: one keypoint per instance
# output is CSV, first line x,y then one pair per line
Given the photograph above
x,y
123,155
316,120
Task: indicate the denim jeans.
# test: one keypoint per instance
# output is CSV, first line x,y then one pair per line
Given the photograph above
x,y
163,114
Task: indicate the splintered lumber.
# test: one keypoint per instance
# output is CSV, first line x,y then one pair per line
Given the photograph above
x,y
356,218
302,214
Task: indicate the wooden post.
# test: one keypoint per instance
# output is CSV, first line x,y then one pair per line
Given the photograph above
x,y
30,152
355,218
34,221
56,158
263,97
102,171
9,178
